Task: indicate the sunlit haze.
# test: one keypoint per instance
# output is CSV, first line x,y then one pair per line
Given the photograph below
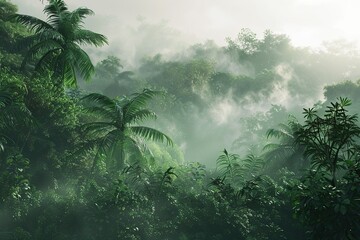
x,y
306,22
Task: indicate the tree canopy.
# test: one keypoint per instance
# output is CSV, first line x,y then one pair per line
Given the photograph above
x,y
55,44
94,162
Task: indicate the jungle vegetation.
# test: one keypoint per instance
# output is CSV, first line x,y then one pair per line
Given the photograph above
x,y
104,159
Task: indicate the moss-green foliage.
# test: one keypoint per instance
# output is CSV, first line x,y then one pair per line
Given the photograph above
x,y
10,33
326,193
50,138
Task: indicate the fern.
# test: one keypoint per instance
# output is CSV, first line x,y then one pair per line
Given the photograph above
x,y
235,170
228,165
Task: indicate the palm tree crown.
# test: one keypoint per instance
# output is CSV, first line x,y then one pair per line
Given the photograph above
x,y
56,42
117,126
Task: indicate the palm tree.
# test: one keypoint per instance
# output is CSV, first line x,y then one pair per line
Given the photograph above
x,y
286,151
117,126
55,44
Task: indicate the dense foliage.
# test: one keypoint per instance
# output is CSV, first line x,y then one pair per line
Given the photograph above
x,y
76,164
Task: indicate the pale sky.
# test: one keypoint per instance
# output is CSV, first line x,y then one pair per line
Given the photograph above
x,y
306,22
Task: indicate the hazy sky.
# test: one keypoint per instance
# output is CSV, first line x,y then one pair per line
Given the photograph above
x,y
306,22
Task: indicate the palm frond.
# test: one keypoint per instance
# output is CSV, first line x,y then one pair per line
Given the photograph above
x,y
64,68
138,101
119,112
81,61
142,115
82,36
279,151
38,49
101,112
54,10
97,128
98,99
79,14
50,35
103,106
32,23
113,137
45,62
151,134
282,131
